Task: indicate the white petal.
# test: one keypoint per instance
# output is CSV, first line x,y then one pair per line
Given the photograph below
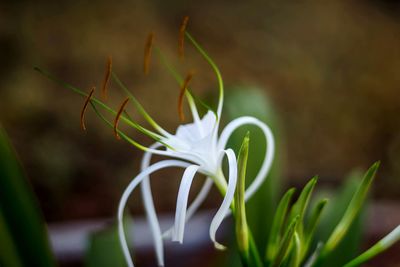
x,y
269,153
132,185
208,122
181,202
224,208
174,142
150,209
199,199
190,132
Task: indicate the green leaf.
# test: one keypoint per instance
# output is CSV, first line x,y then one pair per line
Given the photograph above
x,y
316,215
352,211
379,247
254,255
312,224
8,252
295,258
278,226
24,229
339,199
286,243
299,208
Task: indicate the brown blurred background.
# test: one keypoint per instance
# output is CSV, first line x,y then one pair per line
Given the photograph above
x,y
331,69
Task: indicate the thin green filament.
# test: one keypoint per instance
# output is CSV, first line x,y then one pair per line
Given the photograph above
x,y
123,136
191,97
138,106
214,67
129,122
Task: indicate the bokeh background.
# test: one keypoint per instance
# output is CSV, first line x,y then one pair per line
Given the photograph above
x,y
330,69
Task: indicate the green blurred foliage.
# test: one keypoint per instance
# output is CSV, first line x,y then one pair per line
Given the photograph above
x,y
338,203
24,240
105,249
291,236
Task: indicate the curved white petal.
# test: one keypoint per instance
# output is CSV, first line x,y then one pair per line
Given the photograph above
x,y
181,202
224,208
132,185
199,199
172,154
269,151
150,209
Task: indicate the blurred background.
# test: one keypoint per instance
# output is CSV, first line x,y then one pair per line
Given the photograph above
x,y
329,71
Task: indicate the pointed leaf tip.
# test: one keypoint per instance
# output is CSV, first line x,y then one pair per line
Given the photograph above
x,y
352,210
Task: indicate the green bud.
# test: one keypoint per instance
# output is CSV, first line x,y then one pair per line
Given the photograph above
x,y
242,234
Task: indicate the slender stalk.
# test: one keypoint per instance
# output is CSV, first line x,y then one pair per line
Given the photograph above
x,y
376,249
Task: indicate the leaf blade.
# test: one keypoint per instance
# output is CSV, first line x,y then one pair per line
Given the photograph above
x,y
20,211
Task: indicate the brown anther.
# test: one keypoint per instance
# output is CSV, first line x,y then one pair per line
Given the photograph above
x,y
181,40
119,113
147,52
107,77
182,93
83,126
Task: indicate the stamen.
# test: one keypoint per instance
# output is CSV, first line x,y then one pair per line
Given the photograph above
x,y
83,126
107,77
182,93
147,52
182,30
119,113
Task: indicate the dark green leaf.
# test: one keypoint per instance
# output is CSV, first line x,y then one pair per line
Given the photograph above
x,y
21,217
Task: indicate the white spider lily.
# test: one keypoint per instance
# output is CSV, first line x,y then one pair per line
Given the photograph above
x,y
197,148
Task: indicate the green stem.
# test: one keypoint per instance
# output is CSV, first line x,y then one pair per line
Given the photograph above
x,y
378,248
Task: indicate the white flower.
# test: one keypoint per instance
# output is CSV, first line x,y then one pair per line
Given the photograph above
x,y
197,148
